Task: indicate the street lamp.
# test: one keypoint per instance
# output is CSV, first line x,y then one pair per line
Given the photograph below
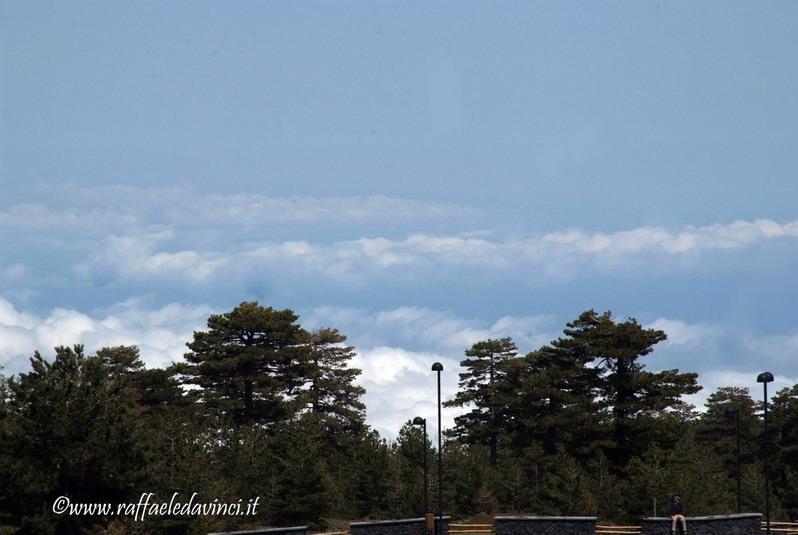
x,y
765,378
438,367
735,413
418,420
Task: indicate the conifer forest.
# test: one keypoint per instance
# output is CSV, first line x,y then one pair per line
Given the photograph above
x,y
260,406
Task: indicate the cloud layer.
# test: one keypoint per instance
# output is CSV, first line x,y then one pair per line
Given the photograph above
x,y
160,333
371,257
184,238
533,260
112,208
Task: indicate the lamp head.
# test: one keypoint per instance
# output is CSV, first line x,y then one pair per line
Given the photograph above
x,y
418,420
764,377
437,367
732,411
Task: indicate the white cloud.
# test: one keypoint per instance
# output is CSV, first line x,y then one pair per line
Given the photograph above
x,y
532,260
135,257
734,235
785,346
401,385
439,331
114,208
41,216
399,382
13,273
160,333
382,365
681,333
10,317
711,380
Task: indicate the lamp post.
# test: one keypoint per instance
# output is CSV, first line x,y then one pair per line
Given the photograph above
x,y
765,378
438,367
735,413
418,420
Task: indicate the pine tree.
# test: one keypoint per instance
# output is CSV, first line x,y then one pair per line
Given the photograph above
x,y
69,430
716,427
629,392
688,469
785,434
467,480
367,486
554,404
250,363
120,360
3,393
333,397
480,387
5,472
301,488
408,453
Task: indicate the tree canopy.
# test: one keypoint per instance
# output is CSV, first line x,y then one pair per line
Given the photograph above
x,y
260,406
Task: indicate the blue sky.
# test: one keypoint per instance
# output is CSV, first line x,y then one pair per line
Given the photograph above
x,y
418,175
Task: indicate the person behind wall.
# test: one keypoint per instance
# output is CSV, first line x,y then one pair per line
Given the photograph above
x,y
677,514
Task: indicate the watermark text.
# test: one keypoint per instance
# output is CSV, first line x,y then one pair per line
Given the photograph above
x,y
147,506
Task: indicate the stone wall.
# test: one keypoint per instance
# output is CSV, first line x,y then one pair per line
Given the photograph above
x,y
742,524
545,525
404,526
296,530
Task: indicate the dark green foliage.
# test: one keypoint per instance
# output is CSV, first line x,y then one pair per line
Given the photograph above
x,y
70,430
250,363
408,471
332,395
716,428
368,483
3,394
299,486
485,367
688,469
586,428
553,402
578,426
626,390
467,487
784,416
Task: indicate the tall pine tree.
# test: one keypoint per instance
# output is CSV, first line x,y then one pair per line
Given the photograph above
x,y
333,398
479,388
716,427
785,434
555,401
250,364
629,393
69,431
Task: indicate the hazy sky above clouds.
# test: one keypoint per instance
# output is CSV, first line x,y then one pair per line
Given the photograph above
x,y
420,176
